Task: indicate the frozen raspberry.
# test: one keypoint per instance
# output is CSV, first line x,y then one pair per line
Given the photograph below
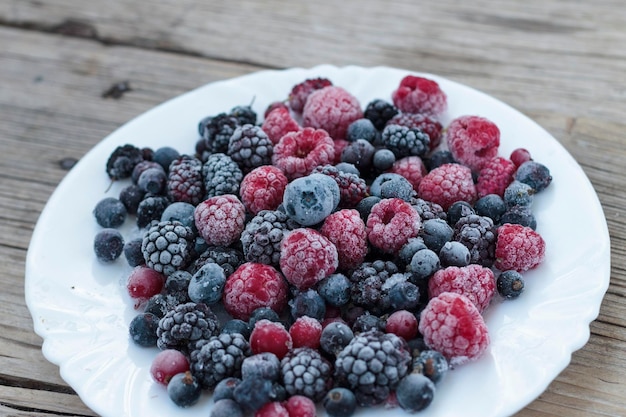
x,y
452,325
300,406
424,122
307,257
263,188
306,332
278,123
340,145
346,230
352,188
419,95
301,91
495,176
519,248
391,223
252,286
473,140
220,219
475,282
412,168
519,156
270,336
448,184
298,153
273,106
333,109
272,409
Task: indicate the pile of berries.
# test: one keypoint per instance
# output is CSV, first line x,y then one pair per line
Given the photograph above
x,y
350,250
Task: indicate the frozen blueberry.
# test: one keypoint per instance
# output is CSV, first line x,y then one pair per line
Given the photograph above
x,y
226,408
253,392
309,200
133,253
423,264
435,233
519,215
339,402
164,156
375,187
362,129
397,188
108,245
110,212
143,329
360,153
431,364
364,207
177,286
415,392
182,212
335,290
510,284
264,365
308,303
492,206
157,305
237,326
383,159
519,194
224,389
438,158
152,180
367,321
335,337
131,196
263,313
409,249
403,296
348,168
457,210
183,389
454,254
534,174
207,285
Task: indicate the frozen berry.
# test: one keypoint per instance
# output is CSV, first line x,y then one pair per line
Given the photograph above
x,y
402,323
306,331
308,303
435,233
492,206
253,393
519,248
519,156
122,161
415,392
183,389
131,196
475,282
412,168
269,336
263,188
339,402
331,108
265,365
301,91
448,184
307,257
298,153
419,95
473,140
168,363
110,213
403,296
108,245
272,409
510,284
519,194
335,290
335,336
452,325
309,200
431,364
278,123
226,408
454,254
438,158
346,230
164,156
426,123
383,159
251,286
153,180
495,175
207,284
362,129
143,329
263,313
185,182
250,147
391,223
133,253
300,406
352,188
405,141
144,282
519,215
379,112
534,174
220,219
423,264
221,175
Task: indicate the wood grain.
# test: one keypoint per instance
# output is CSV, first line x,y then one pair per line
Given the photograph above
x,y
562,63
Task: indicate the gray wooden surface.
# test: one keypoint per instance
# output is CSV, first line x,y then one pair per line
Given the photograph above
x,y
562,63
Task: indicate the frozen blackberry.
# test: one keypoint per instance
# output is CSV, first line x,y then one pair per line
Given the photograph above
x,y
218,358
380,112
305,372
221,175
362,129
184,325
250,147
216,132
368,281
110,212
131,196
151,208
372,365
185,181
429,210
122,161
427,124
228,258
244,114
167,247
352,188
263,234
478,234
405,141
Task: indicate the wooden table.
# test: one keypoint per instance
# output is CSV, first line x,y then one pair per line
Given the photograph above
x,y
562,63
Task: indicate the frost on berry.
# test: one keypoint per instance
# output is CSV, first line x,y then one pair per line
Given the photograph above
x,y
331,108
410,167
307,257
298,153
220,219
419,95
391,223
475,282
263,188
448,184
278,123
519,248
495,176
269,336
473,140
346,230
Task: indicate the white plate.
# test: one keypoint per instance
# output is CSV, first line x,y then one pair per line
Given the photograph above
x,y
81,310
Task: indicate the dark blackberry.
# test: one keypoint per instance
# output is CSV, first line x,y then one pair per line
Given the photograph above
x,y
308,303
534,174
221,175
184,325
151,208
405,141
352,188
228,258
519,215
429,210
510,284
362,129
305,372
367,284
218,358
143,329
159,305
263,234
183,389
167,247
421,121
110,212
217,130
380,112
164,156
108,245
133,253
372,365
122,161
435,233
244,114
185,182
153,180
250,147
131,196
478,234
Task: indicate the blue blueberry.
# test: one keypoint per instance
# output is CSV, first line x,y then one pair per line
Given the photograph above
x,y
454,254
367,321
152,180
339,402
254,392
438,158
409,249
183,389
143,329
182,212
309,200
177,285
360,153
510,284
383,159
335,290
458,210
108,245
335,336
362,129
492,206
308,303
164,156
264,365
348,168
364,207
435,233
225,388
110,212
237,326
131,196
133,252
519,215
415,392
423,264
518,194
403,296
226,408
431,364
375,187
397,188
157,305
263,313
534,174
207,285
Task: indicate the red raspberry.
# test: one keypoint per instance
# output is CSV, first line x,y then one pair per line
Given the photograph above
x,y
307,257
473,140
519,156
270,336
474,281
306,332
448,184
519,248
425,123
273,106
340,145
333,109
495,176
263,188
402,323
300,406
391,223
419,95
452,325
412,168
220,219
298,153
346,230
278,123
251,286
301,91
272,409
